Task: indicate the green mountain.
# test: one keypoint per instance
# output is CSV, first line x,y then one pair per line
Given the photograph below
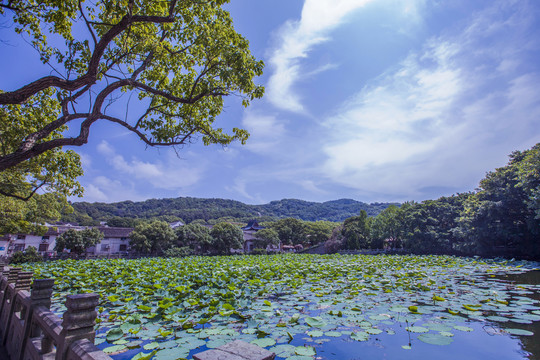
x,y
189,209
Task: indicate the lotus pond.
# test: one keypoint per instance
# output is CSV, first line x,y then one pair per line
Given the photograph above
x,y
310,306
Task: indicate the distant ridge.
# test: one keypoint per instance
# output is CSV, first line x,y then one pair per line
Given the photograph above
x,y
189,209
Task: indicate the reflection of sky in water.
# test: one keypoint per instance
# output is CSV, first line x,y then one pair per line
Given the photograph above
x,y
487,340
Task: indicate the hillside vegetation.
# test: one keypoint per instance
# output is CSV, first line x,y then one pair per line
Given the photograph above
x,y
189,209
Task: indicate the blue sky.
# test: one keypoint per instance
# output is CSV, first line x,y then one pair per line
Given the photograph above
x,y
375,100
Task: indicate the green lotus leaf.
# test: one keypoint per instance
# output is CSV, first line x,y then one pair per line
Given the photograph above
x,y
315,322
435,339
498,318
114,334
374,331
212,344
116,349
151,346
360,336
143,356
171,354
417,329
463,328
144,308
168,344
134,344
264,342
315,333
305,350
519,332
283,350
333,333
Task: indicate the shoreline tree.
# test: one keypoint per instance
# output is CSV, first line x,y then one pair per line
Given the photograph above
x,y
78,241
153,237
179,58
226,236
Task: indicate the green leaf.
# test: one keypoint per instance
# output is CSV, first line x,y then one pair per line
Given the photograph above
x,y
417,329
116,349
315,322
151,346
304,351
519,332
264,342
144,356
435,339
463,328
360,336
114,334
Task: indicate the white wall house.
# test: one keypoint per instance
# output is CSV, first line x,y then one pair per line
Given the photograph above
x,y
4,243
115,241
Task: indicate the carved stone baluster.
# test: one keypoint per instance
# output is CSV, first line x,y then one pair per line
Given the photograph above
x,y
78,321
24,279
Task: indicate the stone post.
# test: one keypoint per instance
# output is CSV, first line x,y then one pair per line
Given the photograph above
x,y
40,295
13,274
2,265
24,279
78,322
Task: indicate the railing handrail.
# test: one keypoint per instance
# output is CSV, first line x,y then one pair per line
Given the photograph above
x,y
29,330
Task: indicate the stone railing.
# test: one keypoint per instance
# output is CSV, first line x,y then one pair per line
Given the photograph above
x,y
30,331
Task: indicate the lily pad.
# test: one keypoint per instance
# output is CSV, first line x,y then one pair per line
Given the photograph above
x,y
417,329
360,336
315,322
435,339
305,350
519,332
463,328
264,342
116,349
114,334
171,354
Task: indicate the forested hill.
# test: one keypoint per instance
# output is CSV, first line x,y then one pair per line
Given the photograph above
x,y
189,209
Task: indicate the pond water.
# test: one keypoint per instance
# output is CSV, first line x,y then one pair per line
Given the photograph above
x,y
313,307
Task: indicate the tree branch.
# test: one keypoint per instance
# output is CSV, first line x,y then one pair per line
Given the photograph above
x,y
22,94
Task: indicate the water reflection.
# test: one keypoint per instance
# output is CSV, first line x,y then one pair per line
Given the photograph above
x,y
531,344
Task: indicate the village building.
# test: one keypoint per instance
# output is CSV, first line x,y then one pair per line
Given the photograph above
x,y
250,237
115,241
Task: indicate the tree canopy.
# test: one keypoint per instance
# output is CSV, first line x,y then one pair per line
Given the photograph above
x,y
178,58
78,241
154,237
502,218
19,216
225,237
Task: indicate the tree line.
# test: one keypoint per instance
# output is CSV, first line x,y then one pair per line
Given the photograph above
x,y
213,211
501,218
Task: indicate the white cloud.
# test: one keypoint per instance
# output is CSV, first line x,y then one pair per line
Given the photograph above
x,y
445,115
172,174
265,131
298,38
105,189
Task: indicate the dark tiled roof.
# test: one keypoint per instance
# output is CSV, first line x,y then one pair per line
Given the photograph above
x,y
52,231
253,225
115,232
